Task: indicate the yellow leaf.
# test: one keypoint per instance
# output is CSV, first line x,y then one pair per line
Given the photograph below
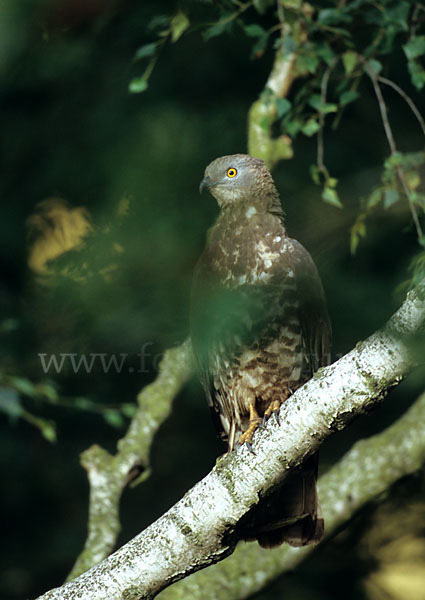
x,y
55,228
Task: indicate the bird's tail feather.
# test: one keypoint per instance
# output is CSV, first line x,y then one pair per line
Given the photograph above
x,y
290,514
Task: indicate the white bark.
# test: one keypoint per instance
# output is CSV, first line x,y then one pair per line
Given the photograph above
x,y
365,473
202,527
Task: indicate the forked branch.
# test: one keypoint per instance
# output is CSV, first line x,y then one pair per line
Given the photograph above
x,y
205,525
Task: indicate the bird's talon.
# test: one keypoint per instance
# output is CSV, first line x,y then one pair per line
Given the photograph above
x,y
249,446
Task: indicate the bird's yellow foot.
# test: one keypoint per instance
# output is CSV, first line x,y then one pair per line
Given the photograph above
x,y
255,422
246,436
273,408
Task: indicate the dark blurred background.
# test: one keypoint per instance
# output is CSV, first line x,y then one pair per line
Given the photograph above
x,y
119,172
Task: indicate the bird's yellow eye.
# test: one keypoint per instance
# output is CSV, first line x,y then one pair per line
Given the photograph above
x,y
232,172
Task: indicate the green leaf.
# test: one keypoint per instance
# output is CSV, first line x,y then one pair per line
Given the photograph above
x,y
159,22
330,196
395,160
10,402
293,127
48,431
259,46
138,85
415,47
311,127
391,196
329,108
374,198
358,231
316,102
333,16
307,63
219,27
261,6
326,53
47,390
113,418
418,199
349,60
179,24
23,386
315,174
145,51
413,180
282,106
412,159
128,410
417,74
254,30
83,403
398,14
348,96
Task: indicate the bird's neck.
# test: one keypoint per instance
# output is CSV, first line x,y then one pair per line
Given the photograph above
x,y
249,214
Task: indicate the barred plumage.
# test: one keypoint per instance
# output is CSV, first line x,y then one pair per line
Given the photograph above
x,y
259,328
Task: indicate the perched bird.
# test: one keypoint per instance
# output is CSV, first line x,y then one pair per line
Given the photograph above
x,y
259,329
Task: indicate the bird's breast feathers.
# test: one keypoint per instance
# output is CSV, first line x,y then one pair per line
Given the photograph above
x,y
254,251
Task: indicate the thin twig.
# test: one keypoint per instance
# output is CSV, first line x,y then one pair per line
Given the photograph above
x,y
242,7
383,109
323,92
406,98
393,147
415,20
281,17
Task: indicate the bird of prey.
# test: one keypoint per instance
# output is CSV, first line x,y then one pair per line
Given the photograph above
x,y
259,329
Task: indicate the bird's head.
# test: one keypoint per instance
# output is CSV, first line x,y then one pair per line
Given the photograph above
x,y
239,179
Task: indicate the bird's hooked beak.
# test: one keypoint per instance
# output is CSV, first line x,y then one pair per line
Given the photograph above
x,y
205,184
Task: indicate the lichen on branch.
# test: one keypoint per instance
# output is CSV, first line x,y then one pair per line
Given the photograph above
x,y
264,111
205,525
109,474
365,472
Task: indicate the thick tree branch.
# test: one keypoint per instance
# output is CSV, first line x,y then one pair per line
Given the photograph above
x,y
263,113
204,526
108,475
365,472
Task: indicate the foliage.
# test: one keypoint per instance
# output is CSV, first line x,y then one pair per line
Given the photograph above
x,y
335,48
20,398
112,277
